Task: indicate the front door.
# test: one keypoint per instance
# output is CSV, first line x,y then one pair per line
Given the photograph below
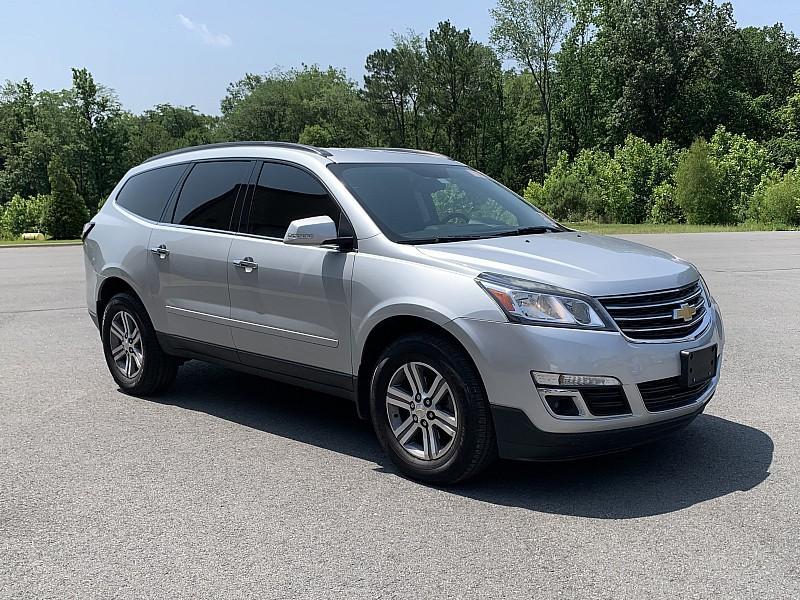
x,y
290,305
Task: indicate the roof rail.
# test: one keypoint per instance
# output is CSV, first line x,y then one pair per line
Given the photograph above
x,y
290,145
413,151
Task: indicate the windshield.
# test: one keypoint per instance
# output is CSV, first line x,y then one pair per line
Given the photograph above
x,y
428,203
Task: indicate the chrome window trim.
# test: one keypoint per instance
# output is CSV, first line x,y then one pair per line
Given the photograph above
x,y
281,161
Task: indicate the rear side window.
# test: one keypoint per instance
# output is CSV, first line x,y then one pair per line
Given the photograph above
x,y
284,194
209,194
146,194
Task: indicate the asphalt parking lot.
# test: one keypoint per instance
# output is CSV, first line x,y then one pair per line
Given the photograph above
x,y
234,486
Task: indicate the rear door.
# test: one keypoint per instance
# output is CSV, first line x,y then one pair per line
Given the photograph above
x,y
139,206
189,255
291,313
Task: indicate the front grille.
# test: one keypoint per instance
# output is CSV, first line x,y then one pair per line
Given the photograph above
x,y
650,315
664,394
606,401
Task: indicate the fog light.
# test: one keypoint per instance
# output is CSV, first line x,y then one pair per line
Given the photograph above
x,y
571,381
562,405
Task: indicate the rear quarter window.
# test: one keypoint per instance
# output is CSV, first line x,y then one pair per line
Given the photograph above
x,y
146,194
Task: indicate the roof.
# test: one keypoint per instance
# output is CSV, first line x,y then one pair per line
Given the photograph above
x,y
337,155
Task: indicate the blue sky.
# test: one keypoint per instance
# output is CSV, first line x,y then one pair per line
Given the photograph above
x,y
186,52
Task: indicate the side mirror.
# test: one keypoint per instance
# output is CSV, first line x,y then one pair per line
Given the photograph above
x,y
313,231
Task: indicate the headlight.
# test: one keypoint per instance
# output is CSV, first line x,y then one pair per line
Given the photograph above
x,y
541,304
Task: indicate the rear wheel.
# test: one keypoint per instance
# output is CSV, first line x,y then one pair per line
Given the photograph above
x,y
136,361
430,412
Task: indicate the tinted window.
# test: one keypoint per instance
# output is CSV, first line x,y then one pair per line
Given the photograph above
x,y
209,194
414,202
147,193
285,194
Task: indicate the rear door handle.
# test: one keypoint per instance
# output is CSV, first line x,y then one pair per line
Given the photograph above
x,y
247,263
161,251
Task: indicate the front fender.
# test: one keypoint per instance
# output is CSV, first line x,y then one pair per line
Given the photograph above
x,y
385,287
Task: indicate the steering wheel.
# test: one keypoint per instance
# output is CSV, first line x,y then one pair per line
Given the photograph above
x,y
454,215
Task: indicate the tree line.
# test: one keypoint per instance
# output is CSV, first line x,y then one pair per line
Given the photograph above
x,y
607,110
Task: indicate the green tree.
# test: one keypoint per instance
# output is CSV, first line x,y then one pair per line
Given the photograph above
x,y
279,106
461,77
391,88
528,32
657,59
784,150
697,187
576,90
523,130
755,78
163,128
100,138
64,212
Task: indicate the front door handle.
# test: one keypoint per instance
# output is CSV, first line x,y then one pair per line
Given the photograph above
x,y
161,251
247,263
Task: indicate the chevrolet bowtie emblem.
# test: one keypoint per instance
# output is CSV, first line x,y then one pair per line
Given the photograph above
x,y
685,312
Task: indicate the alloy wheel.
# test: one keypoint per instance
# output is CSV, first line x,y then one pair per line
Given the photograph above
x,y
125,340
422,411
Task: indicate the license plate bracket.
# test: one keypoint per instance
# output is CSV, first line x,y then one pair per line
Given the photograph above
x,y
698,366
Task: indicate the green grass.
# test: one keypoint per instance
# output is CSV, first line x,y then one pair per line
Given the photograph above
x,y
612,228
21,242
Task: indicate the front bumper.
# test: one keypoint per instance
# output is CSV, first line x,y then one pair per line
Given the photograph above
x,y
519,439
506,353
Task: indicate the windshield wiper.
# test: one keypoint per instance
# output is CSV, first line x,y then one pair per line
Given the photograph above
x,y
482,236
444,238
528,231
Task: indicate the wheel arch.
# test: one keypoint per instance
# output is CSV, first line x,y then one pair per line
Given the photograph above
x,y
111,286
382,334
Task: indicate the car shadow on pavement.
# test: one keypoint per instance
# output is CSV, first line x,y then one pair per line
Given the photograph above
x,y
713,457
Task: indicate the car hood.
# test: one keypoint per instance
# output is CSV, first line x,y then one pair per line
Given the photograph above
x,y
591,264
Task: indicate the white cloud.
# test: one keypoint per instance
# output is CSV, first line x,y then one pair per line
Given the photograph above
x,y
221,40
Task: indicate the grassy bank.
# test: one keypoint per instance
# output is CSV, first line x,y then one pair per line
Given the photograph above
x,y
20,242
630,228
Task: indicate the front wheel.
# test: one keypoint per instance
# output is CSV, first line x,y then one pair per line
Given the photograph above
x,y
430,412
136,361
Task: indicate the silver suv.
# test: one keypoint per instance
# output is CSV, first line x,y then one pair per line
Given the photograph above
x,y
463,322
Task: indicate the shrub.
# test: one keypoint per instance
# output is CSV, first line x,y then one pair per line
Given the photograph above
x,y
777,200
592,187
561,195
317,135
644,168
665,207
741,164
23,214
65,212
697,187
534,193
608,196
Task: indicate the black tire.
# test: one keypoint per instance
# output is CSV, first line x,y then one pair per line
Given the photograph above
x,y
474,446
158,369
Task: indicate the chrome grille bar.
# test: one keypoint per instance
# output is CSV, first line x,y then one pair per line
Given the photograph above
x,y
688,298
652,315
